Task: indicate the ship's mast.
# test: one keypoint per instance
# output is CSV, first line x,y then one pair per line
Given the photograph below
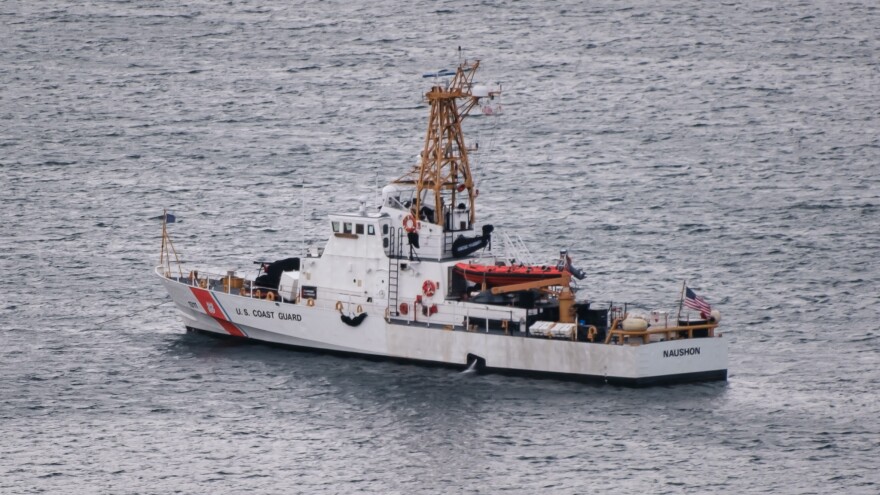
x,y
443,167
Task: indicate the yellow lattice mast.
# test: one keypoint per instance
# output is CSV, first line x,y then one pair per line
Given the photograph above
x,y
443,167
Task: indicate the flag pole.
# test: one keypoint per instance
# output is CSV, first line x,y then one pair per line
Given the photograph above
x,y
681,300
168,248
164,236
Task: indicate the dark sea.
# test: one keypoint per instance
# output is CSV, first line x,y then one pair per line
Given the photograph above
x,y
734,145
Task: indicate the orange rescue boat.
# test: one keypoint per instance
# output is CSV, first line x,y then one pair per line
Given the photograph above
x,y
495,276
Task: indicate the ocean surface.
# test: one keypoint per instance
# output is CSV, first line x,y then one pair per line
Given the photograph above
x,y
734,145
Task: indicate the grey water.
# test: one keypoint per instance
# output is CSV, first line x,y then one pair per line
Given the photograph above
x,y
734,145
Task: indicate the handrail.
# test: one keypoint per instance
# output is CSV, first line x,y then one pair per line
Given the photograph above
x,y
645,333
450,314
210,280
516,248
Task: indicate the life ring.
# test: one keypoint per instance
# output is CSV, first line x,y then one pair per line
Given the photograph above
x,y
429,288
410,224
310,302
360,309
270,296
338,305
404,308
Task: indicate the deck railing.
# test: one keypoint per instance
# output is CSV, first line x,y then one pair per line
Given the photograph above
x,y
668,333
460,316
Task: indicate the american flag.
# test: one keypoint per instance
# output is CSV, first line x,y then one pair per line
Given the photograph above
x,y
695,302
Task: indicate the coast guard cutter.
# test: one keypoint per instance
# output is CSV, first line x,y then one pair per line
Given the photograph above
x,y
418,280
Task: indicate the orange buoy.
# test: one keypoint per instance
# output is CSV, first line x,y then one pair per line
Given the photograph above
x,y
410,224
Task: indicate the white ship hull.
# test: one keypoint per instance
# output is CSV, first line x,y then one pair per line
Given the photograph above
x,y
319,327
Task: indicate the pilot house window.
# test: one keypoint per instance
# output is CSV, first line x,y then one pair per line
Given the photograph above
x,y
358,228
346,228
371,229
335,226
